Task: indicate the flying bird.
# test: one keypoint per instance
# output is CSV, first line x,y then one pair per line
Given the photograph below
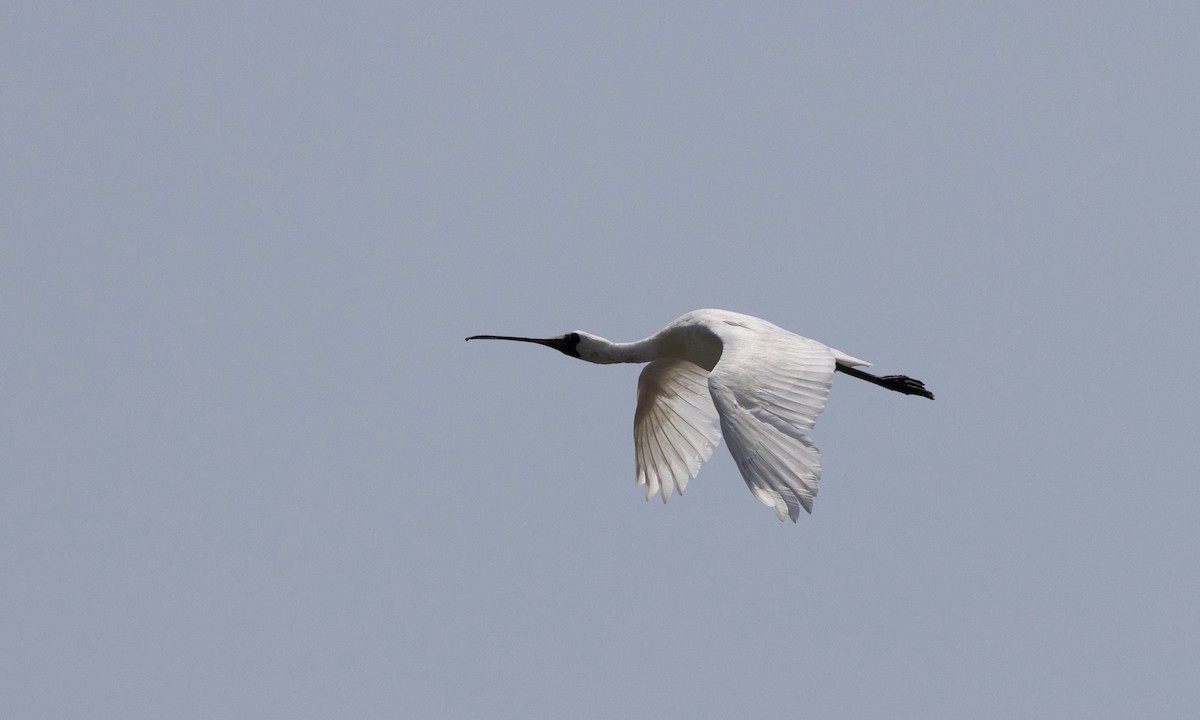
x,y
714,373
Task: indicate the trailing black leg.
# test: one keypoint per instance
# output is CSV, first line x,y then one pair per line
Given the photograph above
x,y
899,383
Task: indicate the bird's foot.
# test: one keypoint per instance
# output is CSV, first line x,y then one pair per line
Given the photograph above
x,y
905,384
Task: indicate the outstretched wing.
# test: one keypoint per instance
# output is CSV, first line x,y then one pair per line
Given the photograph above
x,y
675,426
768,388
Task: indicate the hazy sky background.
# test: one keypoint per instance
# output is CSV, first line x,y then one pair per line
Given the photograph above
x,y
250,469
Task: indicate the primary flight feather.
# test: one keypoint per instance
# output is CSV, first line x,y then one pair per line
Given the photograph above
x,y
714,373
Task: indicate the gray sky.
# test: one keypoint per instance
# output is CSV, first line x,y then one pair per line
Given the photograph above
x,y
251,470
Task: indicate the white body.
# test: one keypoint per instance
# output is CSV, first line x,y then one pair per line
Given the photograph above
x,y
714,373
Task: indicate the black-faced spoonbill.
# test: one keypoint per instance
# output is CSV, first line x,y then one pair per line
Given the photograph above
x,y
714,373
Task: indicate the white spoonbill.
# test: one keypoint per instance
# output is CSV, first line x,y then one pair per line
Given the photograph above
x,y
714,373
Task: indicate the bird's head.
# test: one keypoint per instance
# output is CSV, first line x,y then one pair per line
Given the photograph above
x,y
566,344
577,344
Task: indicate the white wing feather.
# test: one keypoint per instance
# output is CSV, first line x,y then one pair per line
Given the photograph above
x,y
768,387
675,427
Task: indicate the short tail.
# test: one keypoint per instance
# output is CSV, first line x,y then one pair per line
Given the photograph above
x,y
899,383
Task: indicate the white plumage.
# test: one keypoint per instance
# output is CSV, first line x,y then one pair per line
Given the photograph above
x,y
714,373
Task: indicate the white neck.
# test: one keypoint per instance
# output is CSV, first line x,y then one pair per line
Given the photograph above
x,y
605,352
